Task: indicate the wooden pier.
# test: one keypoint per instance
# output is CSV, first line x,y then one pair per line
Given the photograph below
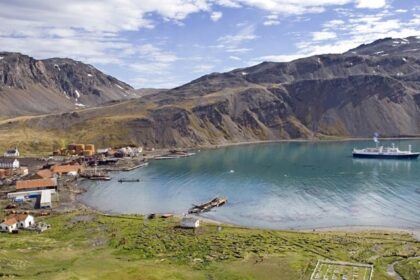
x,y
215,202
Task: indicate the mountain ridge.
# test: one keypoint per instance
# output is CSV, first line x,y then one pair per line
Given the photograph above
x,y
372,88
30,86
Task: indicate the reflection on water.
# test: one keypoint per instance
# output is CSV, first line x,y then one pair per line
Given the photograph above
x,y
284,185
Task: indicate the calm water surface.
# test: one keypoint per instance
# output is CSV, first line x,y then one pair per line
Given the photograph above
x,y
281,185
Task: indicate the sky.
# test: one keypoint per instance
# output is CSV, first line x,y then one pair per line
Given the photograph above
x,y
166,43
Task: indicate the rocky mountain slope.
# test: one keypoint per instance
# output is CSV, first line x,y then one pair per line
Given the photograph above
x,y
30,86
372,88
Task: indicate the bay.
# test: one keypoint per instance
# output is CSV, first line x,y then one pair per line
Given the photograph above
x,y
287,185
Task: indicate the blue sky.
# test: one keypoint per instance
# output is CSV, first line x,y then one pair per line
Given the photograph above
x,y
166,43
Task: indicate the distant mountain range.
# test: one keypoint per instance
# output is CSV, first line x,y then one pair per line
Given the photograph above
x,y
372,88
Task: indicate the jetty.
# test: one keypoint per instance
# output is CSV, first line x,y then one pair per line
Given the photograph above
x,y
215,202
144,164
97,176
174,154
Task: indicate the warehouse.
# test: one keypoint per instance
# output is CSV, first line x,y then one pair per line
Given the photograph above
x,y
37,184
9,163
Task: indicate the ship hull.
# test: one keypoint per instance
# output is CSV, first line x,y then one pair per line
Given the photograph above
x,y
382,156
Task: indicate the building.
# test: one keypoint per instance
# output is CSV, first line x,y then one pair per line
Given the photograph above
x,y
67,169
190,222
12,153
23,171
37,184
45,201
8,225
44,173
17,221
9,163
44,195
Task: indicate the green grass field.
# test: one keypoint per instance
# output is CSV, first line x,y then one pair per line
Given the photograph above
x,y
85,245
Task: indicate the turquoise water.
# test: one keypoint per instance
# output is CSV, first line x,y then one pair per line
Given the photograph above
x,y
281,185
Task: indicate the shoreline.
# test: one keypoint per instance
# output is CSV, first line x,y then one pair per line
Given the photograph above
x,y
298,140
414,232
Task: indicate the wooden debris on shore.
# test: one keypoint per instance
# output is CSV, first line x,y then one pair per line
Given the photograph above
x,y
215,202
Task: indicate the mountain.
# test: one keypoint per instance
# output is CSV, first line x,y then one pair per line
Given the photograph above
x,y
29,86
372,88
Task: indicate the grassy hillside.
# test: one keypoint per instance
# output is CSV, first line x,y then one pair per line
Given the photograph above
x,y
84,245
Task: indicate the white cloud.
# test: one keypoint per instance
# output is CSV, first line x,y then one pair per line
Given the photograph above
x,y
298,7
245,34
203,68
238,50
153,59
150,52
350,32
84,30
234,57
92,30
371,4
215,16
166,82
323,35
272,19
271,22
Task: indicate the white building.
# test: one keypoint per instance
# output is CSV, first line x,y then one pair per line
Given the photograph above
x,y
9,163
45,201
190,222
8,225
17,221
12,153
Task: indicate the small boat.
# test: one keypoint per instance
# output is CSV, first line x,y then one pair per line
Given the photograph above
x,y
123,180
381,152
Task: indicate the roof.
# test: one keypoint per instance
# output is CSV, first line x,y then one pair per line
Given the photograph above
x,y
189,219
44,173
66,168
14,218
7,160
9,221
36,184
45,197
12,151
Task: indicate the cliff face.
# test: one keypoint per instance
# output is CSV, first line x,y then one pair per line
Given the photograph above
x,y
30,86
373,88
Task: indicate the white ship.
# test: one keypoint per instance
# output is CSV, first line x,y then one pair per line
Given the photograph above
x,y
384,152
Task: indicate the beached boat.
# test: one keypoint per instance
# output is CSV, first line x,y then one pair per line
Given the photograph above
x,y
381,152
